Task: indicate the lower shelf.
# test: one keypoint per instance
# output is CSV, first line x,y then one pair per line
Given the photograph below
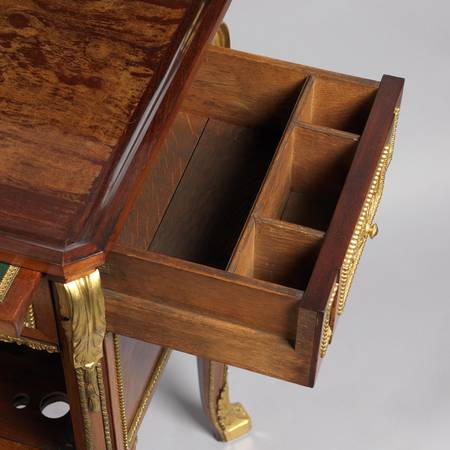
x,y
31,385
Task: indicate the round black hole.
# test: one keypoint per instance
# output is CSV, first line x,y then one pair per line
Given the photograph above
x,y
21,401
54,405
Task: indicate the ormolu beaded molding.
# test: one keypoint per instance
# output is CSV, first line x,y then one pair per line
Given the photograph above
x,y
7,281
327,332
30,319
31,343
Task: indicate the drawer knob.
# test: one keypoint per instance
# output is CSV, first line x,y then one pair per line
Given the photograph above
x,y
222,37
372,230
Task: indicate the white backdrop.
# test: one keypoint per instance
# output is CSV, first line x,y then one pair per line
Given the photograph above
x,y
384,384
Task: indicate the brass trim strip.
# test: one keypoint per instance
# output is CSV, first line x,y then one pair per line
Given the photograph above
x,y
327,332
84,409
121,391
30,318
31,343
7,281
129,433
104,408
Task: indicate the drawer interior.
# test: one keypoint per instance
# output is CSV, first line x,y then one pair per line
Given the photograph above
x,y
231,128
216,192
239,134
278,252
339,104
235,211
316,162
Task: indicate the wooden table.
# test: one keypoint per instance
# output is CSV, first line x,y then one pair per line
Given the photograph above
x,y
158,193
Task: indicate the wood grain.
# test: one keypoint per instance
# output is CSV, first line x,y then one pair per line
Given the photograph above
x,y
161,181
11,445
341,104
285,254
321,158
87,91
253,90
212,338
209,291
212,202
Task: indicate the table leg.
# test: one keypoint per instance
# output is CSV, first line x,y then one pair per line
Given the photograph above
x,y
228,420
82,326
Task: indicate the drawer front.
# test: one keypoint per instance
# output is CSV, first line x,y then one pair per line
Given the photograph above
x,y
365,227
268,182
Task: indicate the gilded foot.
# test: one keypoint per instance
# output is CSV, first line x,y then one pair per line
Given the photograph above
x,y
232,417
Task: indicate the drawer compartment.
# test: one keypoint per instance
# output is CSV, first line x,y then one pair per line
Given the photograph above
x,y
315,163
248,214
40,323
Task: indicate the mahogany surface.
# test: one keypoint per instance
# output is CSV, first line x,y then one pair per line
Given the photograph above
x,y
87,91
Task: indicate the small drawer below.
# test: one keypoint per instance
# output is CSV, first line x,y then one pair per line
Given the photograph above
x,y
40,322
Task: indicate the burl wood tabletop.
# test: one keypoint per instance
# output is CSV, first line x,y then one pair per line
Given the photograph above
x,y
86,92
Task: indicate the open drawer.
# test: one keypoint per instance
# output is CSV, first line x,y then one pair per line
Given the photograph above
x,y
255,214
